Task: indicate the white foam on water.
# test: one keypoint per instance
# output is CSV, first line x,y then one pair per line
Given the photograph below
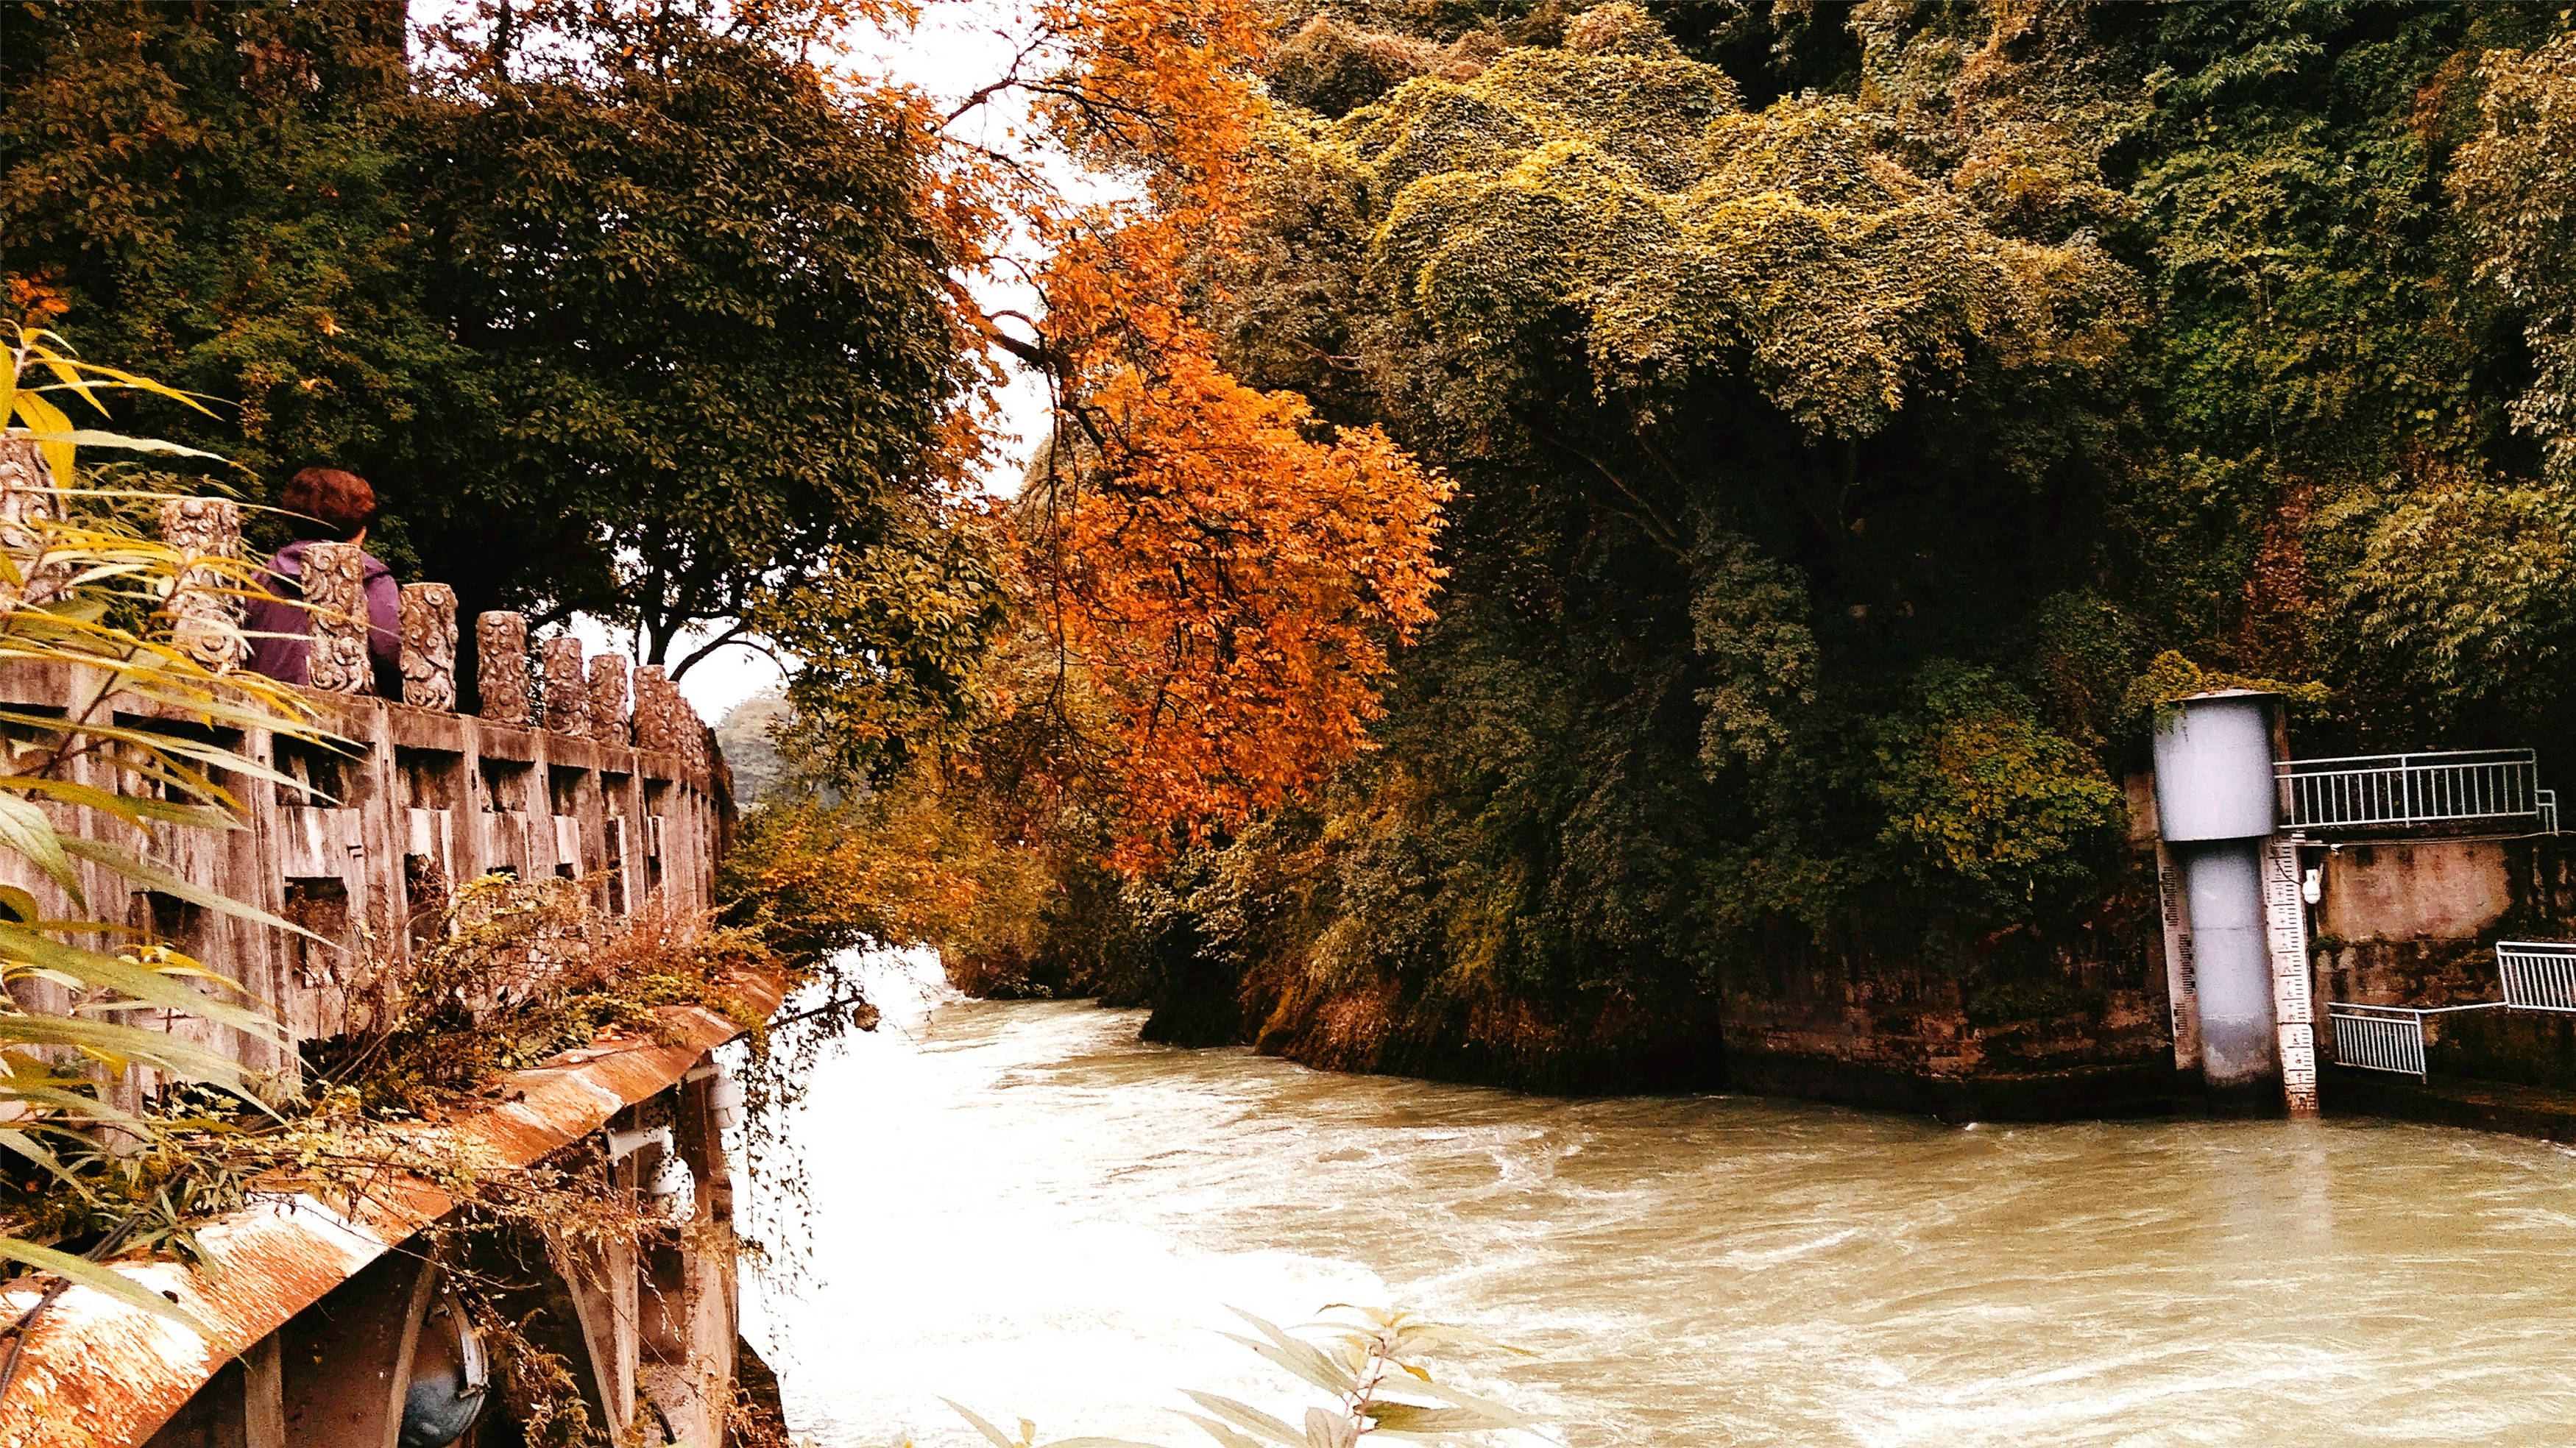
x,y
1023,1208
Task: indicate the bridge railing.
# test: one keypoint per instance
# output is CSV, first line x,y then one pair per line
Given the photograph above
x,y
602,775
2415,789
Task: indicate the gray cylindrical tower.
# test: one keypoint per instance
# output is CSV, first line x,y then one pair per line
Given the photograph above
x,y
2240,1047
2217,803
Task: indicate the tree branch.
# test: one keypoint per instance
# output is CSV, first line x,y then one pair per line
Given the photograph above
x,y
1655,526
719,641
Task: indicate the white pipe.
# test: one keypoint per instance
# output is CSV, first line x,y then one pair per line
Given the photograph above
x,y
623,1144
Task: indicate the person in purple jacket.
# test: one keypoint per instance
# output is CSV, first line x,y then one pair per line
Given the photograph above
x,y
324,505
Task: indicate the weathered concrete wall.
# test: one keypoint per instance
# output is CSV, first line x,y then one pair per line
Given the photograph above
x,y
2010,1025
2447,889
2415,924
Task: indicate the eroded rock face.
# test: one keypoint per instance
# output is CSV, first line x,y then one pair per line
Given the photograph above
x,y
429,646
608,700
335,602
206,607
501,666
567,698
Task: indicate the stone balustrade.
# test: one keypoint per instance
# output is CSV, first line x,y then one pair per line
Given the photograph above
x,y
361,838
603,702
364,841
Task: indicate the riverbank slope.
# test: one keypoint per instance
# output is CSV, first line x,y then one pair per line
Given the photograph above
x,y
2010,1025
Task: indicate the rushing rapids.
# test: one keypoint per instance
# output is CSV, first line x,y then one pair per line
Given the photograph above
x,y
1021,1207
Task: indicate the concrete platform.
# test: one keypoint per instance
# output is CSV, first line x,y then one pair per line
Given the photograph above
x,y
2534,1111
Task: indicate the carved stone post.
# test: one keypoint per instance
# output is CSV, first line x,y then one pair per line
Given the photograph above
x,y
567,702
335,603
429,646
608,699
501,666
655,728
693,737
205,603
27,495
664,720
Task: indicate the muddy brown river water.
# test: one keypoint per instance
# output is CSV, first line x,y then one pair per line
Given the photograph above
x,y
1020,1207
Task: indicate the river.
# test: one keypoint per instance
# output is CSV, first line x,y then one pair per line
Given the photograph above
x,y
1021,1207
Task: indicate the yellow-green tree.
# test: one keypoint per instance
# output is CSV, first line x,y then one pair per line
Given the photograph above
x,y
88,597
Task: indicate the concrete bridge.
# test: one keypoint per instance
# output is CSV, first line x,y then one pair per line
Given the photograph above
x,y
336,1326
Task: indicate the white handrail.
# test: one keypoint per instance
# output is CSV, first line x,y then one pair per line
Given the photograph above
x,y
2387,1038
2411,789
2539,975
2436,755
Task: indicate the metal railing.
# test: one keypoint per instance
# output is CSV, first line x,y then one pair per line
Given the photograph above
x,y
2538,975
2386,1038
2413,789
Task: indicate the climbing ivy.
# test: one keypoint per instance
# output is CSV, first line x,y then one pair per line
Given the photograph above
x,y
1865,419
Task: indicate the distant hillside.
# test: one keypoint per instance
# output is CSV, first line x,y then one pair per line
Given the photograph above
x,y
745,732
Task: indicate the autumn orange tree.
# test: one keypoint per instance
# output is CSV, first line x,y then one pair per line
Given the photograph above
x,y
1204,580
1218,575
1230,585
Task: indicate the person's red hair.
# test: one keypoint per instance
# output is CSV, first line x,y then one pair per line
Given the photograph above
x,y
334,505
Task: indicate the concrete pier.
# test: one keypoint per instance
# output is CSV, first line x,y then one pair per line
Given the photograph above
x,y
2235,951
2240,1053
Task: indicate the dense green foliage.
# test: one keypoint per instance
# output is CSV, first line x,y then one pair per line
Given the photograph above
x,y
214,197
638,320
1863,417
709,312
1858,411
